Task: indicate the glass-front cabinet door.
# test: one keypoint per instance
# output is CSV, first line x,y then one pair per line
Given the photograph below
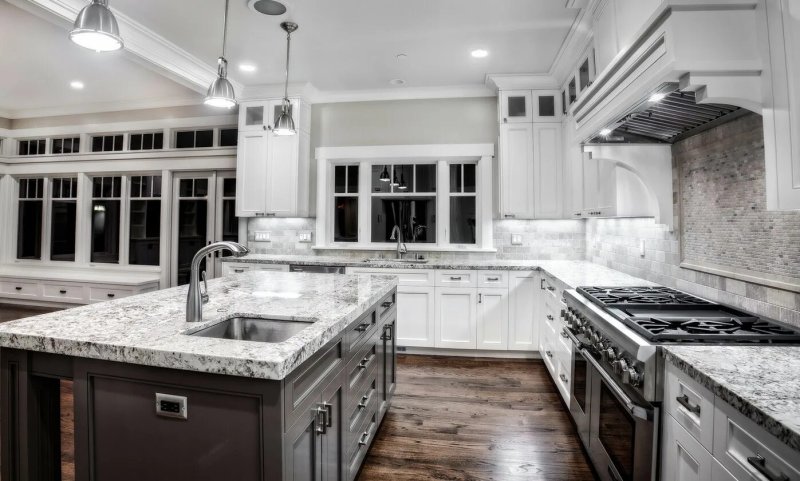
x,y
546,106
515,106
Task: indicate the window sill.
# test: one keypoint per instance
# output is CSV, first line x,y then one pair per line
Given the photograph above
x,y
410,247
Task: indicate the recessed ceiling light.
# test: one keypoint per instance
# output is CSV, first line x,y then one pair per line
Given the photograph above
x,y
605,132
480,53
397,82
657,97
401,56
247,67
76,84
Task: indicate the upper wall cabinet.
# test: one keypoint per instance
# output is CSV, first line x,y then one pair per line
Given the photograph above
x,y
272,172
526,106
780,39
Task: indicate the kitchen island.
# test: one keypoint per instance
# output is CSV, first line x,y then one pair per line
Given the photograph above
x,y
156,398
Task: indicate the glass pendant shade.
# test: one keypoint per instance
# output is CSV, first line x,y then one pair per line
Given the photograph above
x,y
220,93
384,177
285,122
96,28
394,182
403,185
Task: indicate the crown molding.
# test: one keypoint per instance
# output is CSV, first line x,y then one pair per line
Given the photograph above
x,y
142,45
522,82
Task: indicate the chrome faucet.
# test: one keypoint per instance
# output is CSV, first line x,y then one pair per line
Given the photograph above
x,y
195,299
401,246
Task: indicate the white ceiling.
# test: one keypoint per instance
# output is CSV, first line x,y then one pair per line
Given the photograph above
x,y
352,44
38,71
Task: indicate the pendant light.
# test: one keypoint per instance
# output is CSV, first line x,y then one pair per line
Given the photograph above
x,y
384,177
394,182
220,93
96,28
285,122
403,185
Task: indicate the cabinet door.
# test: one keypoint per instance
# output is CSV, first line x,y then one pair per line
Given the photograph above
x,y
523,308
281,179
516,171
253,117
251,172
492,319
605,35
546,106
456,317
301,450
683,458
547,171
415,316
515,106
332,440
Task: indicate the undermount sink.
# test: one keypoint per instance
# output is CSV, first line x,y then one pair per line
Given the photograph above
x,y
253,329
400,261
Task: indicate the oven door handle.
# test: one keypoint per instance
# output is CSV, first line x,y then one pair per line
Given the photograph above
x,y
636,410
575,342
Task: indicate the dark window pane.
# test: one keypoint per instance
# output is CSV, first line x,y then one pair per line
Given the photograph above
x,y
62,235
469,177
455,178
136,142
426,178
23,188
228,137
583,74
73,191
108,143
564,102
97,144
339,179
97,187
56,190
185,187
40,150
516,106
184,140
380,172
108,185
345,219
29,229
118,142
57,146
23,147
404,175
547,106
147,186
145,232
136,186
230,223
352,179
147,142
200,187
117,190
158,140
416,218
229,187
156,186
572,92
105,231
192,229
204,138
462,220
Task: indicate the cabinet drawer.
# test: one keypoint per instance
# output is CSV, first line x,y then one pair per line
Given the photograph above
x,y
548,285
563,373
548,356
691,404
301,384
387,305
361,409
62,292
550,320
19,288
361,363
231,269
457,278
682,457
748,451
360,330
97,294
493,279
363,442
406,277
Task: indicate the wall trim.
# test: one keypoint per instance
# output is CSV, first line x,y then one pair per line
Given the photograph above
x,y
778,282
431,351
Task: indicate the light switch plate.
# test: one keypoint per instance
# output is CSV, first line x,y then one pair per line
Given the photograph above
x,y
261,236
516,239
304,236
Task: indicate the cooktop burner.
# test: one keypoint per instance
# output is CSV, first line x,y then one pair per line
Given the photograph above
x,y
640,296
718,329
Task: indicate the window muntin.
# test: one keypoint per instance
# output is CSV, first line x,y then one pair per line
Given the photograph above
x,y
398,199
345,210
404,178
63,218
146,141
106,212
29,221
194,139
144,236
107,143
65,145
31,147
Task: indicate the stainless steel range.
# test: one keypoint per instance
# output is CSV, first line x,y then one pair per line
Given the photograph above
x,y
617,369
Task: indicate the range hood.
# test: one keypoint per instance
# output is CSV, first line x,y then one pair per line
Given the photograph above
x,y
666,115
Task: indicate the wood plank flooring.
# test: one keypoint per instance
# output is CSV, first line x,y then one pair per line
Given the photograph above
x,y
474,420
11,312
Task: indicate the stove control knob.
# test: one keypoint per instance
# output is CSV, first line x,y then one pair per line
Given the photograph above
x,y
633,377
609,355
620,365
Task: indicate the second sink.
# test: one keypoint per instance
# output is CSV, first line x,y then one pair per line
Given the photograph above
x,y
253,329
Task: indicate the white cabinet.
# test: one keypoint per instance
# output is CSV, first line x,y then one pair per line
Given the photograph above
x,y
604,28
523,309
415,316
515,106
456,317
272,172
599,187
516,172
231,268
492,319
547,171
682,457
546,106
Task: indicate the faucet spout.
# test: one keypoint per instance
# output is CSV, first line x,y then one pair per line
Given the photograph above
x,y
194,299
397,234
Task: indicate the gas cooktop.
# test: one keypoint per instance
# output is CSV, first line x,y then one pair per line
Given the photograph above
x,y
662,314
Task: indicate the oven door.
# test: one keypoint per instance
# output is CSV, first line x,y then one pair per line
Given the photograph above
x,y
623,430
581,395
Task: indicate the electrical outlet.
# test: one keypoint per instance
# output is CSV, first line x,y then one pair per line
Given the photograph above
x,y
304,236
516,239
261,236
641,248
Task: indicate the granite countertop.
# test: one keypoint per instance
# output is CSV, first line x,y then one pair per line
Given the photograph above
x,y
571,273
148,329
761,382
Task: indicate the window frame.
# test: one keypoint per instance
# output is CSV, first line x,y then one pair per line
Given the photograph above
x,y
48,217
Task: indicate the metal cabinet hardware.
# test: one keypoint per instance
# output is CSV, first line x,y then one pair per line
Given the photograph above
x,y
363,403
564,334
387,304
510,216
110,294
362,441
563,378
62,291
18,288
388,332
324,413
363,363
362,327
238,271
549,354
684,401
480,298
550,317
638,411
492,279
455,278
760,464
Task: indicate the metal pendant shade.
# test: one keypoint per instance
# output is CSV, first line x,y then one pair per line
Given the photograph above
x,y
220,92
96,28
285,123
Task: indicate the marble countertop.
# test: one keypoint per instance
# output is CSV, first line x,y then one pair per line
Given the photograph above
x,y
571,273
148,329
761,382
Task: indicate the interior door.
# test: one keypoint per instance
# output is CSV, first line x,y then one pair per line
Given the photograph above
x,y
226,224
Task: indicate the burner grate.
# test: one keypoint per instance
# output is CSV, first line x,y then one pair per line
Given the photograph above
x,y
640,296
719,329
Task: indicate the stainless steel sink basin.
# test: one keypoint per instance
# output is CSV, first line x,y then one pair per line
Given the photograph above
x,y
398,261
253,329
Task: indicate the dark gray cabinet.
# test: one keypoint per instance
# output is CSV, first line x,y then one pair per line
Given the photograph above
x,y
387,369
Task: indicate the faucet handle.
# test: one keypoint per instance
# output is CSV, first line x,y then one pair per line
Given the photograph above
x,y
204,292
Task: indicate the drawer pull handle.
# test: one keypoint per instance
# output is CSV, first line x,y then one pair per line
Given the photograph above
x,y
684,401
388,332
549,317
493,279
760,464
238,271
455,278
387,304
18,288
549,354
551,288
563,378
111,294
564,334
62,291
324,411
363,363
363,403
362,441
362,327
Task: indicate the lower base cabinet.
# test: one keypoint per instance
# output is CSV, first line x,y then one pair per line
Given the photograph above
x,y
492,319
683,458
415,316
456,317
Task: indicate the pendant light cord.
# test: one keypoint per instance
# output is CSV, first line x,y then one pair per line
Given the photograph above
x,y
286,85
225,28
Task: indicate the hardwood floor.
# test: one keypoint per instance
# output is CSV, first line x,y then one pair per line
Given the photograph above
x,y
10,312
475,419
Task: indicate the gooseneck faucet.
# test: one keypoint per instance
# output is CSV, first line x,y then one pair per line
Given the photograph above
x,y
401,246
195,299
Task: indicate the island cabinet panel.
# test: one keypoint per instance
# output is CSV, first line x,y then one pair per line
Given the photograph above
x,y
300,385
387,366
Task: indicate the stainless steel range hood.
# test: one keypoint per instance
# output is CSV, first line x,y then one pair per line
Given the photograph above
x,y
666,115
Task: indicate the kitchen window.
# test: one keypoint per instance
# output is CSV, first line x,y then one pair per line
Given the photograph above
x,y
145,220
398,200
30,213
63,218
31,147
146,141
228,137
105,233
463,207
194,139
65,145
107,143
345,213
